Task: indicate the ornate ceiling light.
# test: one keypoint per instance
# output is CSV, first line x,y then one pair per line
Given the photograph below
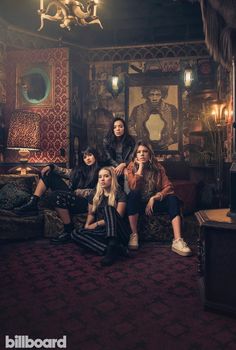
x,y
69,13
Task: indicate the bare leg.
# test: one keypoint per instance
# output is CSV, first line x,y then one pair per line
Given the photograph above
x,y
64,215
40,189
133,221
179,246
133,241
176,224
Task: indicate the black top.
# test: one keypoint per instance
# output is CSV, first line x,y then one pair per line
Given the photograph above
x,y
110,148
120,197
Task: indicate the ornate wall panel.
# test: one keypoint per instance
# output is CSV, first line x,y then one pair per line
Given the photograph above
x,y
151,52
55,120
2,62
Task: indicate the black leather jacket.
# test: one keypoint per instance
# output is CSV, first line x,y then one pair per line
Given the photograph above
x,y
110,151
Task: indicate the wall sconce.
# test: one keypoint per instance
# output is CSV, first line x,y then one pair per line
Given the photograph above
x,y
220,113
188,76
115,85
24,135
69,13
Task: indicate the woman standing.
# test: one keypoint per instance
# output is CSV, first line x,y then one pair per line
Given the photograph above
x,y
118,146
105,231
66,198
152,192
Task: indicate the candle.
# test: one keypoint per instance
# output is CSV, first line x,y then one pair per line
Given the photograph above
x,y
93,7
41,4
115,83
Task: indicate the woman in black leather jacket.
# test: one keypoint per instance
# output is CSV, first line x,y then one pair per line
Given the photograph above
x,y
118,146
66,197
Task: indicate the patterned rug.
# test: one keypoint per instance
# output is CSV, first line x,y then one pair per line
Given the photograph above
x,y
147,302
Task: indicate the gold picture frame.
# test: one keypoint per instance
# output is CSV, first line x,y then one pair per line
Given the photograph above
x,y
34,85
156,119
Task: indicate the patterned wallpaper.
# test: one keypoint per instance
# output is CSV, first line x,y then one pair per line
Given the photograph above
x,y
2,72
55,119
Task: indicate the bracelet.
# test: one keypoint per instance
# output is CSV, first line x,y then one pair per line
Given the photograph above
x,y
97,224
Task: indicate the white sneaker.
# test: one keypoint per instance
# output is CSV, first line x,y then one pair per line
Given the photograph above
x,y
180,247
133,241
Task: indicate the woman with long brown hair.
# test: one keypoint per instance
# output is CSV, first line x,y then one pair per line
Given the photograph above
x,y
152,192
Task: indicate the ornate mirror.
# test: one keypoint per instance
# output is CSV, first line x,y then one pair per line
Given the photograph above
x,y
34,86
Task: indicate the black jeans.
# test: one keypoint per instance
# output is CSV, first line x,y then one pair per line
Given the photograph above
x,y
136,205
62,196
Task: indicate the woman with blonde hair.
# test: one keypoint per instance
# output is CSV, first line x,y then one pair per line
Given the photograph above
x,y
105,231
152,192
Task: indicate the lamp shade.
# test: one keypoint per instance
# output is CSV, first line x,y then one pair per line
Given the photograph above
x,y
24,131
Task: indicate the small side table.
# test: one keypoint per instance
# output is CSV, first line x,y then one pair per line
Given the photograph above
x,y
217,260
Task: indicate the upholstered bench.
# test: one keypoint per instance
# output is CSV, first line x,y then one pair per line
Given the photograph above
x,y
16,227
14,190
47,224
54,226
155,228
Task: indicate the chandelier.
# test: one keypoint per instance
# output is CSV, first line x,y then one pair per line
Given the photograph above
x,y
69,13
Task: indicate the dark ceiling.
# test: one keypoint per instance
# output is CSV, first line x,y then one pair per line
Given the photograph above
x,y
125,22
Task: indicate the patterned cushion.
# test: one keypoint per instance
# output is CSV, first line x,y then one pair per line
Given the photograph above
x,y
25,183
13,195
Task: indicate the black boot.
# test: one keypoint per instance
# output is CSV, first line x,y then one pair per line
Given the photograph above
x,y
63,238
111,254
30,208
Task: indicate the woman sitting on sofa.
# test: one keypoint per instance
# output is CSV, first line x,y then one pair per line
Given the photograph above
x,y
66,198
105,231
152,192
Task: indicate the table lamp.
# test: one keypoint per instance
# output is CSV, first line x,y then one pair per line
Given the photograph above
x,y
24,136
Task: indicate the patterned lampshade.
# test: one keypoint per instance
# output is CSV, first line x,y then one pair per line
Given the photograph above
x,y
24,131
24,135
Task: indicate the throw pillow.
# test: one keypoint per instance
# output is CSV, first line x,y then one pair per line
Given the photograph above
x,y
12,195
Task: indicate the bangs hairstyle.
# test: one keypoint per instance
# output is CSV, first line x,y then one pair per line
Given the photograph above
x,y
90,150
84,176
100,191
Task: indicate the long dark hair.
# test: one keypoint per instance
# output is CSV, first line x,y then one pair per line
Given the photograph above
x,y
151,168
84,176
111,136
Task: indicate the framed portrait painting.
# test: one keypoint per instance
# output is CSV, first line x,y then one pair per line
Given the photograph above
x,y
154,110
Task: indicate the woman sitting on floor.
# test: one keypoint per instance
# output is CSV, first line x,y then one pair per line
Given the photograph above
x,y
152,192
118,146
105,230
66,199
